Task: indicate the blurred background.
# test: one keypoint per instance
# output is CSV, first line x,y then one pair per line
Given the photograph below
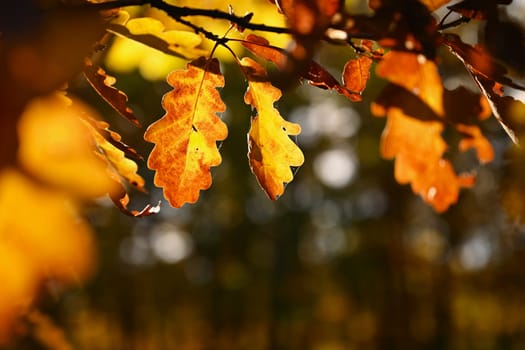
x,y
345,259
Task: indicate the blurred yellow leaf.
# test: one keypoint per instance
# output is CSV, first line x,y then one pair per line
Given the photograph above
x,y
41,237
185,137
271,151
56,147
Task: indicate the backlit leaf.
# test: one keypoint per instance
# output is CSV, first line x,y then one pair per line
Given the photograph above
x,y
271,151
103,85
118,166
56,147
151,32
434,4
185,137
417,145
41,237
356,74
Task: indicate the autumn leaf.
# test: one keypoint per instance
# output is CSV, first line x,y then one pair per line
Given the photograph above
x,y
56,147
102,83
271,151
118,165
417,145
479,61
355,76
315,74
477,9
434,4
152,33
41,237
185,137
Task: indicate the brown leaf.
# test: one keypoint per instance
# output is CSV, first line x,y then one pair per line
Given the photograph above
x,y
315,75
479,61
356,74
103,85
121,201
185,137
477,9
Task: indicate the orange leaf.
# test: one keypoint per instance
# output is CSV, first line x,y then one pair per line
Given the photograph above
x,y
185,137
434,4
356,74
417,145
271,151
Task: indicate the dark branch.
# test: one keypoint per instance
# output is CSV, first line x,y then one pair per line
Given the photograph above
x,y
177,12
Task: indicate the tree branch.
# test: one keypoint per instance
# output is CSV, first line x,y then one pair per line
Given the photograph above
x,y
177,12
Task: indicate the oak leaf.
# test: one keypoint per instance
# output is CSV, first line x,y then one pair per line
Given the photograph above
x,y
102,83
356,74
271,151
315,74
151,32
56,147
185,137
417,145
42,237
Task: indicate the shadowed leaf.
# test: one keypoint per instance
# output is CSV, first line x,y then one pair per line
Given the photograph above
x,y
479,61
185,137
477,9
271,151
103,85
150,32
315,75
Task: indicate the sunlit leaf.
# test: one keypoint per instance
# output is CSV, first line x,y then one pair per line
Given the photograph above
x,y
151,32
119,167
41,237
417,145
185,137
103,85
19,284
356,74
434,4
271,151
56,147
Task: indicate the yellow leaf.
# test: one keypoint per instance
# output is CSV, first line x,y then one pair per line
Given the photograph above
x,y
55,238
151,32
117,164
19,283
186,135
41,237
271,151
56,147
